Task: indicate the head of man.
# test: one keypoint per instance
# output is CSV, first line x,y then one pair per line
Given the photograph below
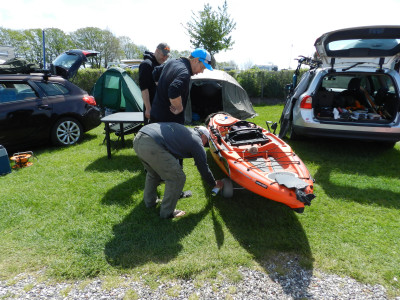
x,y
203,133
200,59
162,53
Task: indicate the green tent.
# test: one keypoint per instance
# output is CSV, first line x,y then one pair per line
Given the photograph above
x,y
115,90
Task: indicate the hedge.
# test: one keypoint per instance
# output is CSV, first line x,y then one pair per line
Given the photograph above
x,y
86,78
257,84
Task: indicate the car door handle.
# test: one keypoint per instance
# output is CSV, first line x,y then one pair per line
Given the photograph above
x,y
43,106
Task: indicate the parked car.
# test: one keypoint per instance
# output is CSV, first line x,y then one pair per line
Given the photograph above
x,y
351,90
40,107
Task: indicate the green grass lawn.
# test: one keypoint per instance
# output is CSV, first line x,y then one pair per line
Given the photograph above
x,y
78,215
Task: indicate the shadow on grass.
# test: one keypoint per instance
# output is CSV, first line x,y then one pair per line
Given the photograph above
x,y
358,161
142,236
270,232
157,241
46,146
121,194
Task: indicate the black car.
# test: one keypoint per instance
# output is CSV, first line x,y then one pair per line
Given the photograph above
x,y
40,107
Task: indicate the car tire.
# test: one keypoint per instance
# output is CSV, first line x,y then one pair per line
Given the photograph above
x,y
66,131
227,190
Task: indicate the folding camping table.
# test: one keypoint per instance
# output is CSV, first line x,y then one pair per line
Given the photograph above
x,y
120,118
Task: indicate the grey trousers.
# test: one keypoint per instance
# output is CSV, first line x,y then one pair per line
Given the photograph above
x,y
160,165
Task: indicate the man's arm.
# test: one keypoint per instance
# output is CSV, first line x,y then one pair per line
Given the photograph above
x,y
146,101
200,159
176,105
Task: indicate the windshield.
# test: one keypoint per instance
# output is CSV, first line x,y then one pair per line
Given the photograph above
x,y
371,82
381,44
65,60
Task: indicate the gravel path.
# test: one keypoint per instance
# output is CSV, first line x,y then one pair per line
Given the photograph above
x,y
298,284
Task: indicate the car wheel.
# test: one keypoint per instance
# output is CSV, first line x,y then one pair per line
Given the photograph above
x,y
227,190
66,131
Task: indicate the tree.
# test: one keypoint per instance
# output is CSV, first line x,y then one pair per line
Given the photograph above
x,y
13,38
93,38
129,49
227,65
177,54
111,49
88,38
211,29
33,45
57,42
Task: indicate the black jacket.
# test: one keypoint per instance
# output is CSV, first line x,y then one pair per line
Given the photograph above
x,y
173,80
145,74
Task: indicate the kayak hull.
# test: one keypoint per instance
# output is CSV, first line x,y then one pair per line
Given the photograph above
x,y
259,161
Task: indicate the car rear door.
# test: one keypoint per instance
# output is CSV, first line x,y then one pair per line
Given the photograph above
x,y
67,64
375,46
24,114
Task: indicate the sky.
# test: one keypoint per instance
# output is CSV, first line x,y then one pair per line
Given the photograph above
x,y
267,32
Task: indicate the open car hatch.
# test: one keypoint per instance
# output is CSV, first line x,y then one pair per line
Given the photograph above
x,y
366,46
68,63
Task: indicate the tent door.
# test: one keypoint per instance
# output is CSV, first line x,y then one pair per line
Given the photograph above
x,y
206,98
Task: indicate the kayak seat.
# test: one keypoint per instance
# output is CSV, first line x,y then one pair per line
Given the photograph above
x,y
246,136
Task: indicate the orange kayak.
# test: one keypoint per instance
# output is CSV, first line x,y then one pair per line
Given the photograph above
x,y
259,161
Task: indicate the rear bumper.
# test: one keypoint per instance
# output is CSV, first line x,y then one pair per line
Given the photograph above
x,y
385,136
92,118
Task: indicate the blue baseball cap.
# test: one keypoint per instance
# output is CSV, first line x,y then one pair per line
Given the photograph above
x,y
203,56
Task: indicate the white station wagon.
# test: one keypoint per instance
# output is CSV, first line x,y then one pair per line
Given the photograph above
x,y
351,89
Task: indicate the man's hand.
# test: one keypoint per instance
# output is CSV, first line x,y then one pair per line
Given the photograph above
x,y
219,184
176,105
147,113
175,110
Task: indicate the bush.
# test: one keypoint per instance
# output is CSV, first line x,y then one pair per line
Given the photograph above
x,y
134,74
249,81
264,84
86,78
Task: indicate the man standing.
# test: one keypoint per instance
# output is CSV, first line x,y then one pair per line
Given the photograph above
x,y
160,146
146,81
173,86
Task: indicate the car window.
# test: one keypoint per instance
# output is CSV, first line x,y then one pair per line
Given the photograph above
x,y
65,60
383,82
337,83
371,83
381,44
53,89
13,91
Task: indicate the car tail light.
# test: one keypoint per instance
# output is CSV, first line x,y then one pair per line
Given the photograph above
x,y
306,102
89,100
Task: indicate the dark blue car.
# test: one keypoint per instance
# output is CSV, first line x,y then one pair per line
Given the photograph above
x,y
42,107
